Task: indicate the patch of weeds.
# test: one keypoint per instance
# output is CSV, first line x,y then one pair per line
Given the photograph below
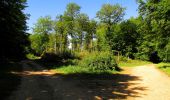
x,y
133,63
164,67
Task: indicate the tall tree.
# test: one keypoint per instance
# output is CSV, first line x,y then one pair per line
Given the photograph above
x,y
13,37
61,34
43,27
81,25
91,34
70,15
110,15
125,38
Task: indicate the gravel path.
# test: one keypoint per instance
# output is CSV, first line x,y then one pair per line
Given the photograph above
x,y
137,83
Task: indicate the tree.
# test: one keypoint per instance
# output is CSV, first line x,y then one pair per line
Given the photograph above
x,y
43,27
61,34
156,22
13,37
81,25
125,38
91,34
102,44
36,43
110,15
70,15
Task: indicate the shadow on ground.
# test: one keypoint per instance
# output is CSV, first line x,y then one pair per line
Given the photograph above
x,y
88,86
79,86
100,86
9,82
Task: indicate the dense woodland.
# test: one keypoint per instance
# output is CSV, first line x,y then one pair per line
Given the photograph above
x,y
146,37
13,36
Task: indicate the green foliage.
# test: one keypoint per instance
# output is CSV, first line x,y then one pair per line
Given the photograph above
x,y
99,61
154,27
40,38
36,43
125,62
13,36
60,57
89,36
70,69
102,44
32,56
110,15
125,38
135,38
164,67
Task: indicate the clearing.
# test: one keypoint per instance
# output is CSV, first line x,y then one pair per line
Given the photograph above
x,y
135,83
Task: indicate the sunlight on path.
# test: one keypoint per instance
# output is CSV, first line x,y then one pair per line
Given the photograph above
x,y
157,83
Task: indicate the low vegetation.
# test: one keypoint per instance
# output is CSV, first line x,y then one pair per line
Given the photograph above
x,y
133,63
84,62
99,61
165,67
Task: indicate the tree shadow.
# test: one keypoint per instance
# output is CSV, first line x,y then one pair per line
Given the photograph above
x,y
54,64
9,82
103,86
80,86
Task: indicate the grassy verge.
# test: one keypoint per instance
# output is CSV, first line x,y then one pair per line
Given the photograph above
x,y
8,81
133,63
164,67
72,69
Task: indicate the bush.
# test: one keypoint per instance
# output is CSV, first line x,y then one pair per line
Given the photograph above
x,y
31,56
99,61
66,57
123,59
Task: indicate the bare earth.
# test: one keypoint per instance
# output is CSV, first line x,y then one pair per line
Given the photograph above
x,y
138,83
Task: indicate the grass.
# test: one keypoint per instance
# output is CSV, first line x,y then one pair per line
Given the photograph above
x,y
133,63
73,69
165,67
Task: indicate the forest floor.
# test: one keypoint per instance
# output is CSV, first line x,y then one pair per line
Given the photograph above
x,y
134,83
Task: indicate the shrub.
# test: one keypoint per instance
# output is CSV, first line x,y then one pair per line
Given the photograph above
x,y
31,56
58,57
99,61
123,59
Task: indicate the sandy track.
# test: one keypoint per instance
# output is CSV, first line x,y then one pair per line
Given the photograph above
x,y
156,83
138,83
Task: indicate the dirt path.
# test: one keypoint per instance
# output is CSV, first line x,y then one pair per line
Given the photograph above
x,y
156,82
138,83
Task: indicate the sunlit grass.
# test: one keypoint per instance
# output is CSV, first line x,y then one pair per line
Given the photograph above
x,y
71,69
133,63
164,67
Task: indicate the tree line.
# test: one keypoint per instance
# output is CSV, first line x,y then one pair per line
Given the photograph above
x,y
136,38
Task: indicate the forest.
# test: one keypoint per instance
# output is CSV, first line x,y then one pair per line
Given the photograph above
x,y
145,37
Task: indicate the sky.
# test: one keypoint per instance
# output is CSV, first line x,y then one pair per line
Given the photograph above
x,y
41,8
